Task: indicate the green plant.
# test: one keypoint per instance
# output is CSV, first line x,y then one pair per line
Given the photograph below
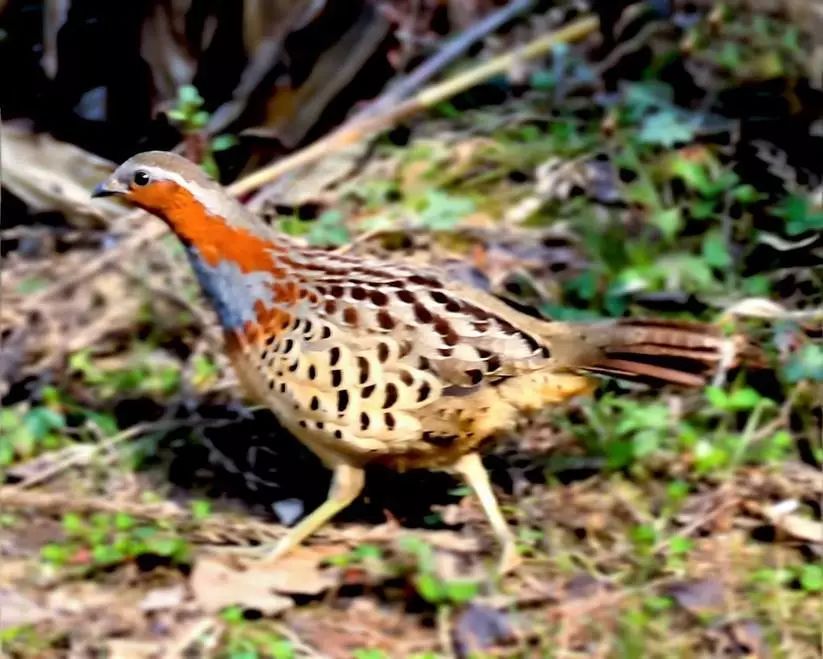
x,y
252,639
441,211
139,375
106,540
429,585
27,432
190,117
640,430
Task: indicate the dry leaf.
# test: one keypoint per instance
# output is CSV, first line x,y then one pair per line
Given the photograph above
x,y
782,515
164,45
50,175
129,649
700,596
55,13
479,628
259,584
16,609
757,307
163,598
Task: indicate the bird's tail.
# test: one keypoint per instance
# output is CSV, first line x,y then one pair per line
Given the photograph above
x,y
653,351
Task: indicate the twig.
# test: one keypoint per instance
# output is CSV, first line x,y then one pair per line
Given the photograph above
x,y
148,233
358,128
450,51
79,454
16,498
360,239
181,645
444,631
298,643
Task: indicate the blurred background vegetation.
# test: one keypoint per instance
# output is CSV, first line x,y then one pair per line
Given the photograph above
x,y
668,161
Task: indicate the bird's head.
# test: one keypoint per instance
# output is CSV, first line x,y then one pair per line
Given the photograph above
x,y
197,208
159,182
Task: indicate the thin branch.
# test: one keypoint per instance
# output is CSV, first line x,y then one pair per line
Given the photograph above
x,y
359,128
451,50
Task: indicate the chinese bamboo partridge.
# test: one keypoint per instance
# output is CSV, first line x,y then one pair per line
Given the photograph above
x,y
370,361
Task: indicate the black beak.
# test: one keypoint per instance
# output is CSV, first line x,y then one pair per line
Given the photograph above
x,y
102,191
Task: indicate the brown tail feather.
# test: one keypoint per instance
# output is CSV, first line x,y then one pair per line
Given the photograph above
x,y
678,352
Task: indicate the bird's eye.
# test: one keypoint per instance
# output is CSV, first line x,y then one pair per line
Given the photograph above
x,y
141,178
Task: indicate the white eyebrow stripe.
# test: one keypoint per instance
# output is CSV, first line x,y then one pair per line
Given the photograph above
x,y
210,199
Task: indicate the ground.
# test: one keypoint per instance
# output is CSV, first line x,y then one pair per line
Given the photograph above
x,y
652,523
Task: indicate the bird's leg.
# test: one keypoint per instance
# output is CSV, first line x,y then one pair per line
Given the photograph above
x,y
346,484
470,466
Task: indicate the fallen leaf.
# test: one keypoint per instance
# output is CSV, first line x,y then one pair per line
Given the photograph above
x,y
757,307
743,638
16,609
479,628
129,649
163,598
259,584
783,516
700,596
50,175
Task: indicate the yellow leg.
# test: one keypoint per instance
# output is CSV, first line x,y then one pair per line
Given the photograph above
x,y
471,468
346,484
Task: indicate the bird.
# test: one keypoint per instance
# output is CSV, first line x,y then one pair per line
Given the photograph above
x,y
369,361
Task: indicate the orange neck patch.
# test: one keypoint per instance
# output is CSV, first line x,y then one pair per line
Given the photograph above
x,y
215,239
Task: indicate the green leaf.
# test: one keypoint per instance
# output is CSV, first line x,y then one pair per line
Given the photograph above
x,y
165,546
799,215
200,119
223,142
281,649
200,509
645,443
702,209
42,420
677,490
73,524
328,229
54,553
669,221
644,535
708,457
619,453
665,128
543,80
693,173
443,211
744,399
715,251
680,545
369,653
368,551
123,521
106,555
459,592
177,115
293,226
747,194
189,96
806,364
811,578
232,614
430,588
106,422
645,96
717,397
